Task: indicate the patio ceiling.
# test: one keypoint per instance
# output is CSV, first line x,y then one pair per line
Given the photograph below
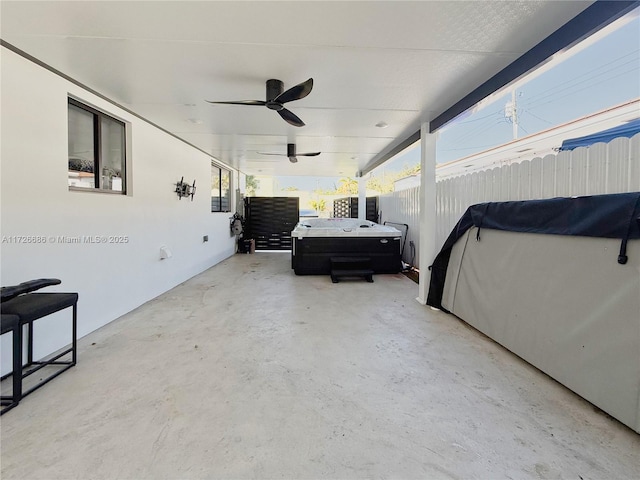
x,y
401,63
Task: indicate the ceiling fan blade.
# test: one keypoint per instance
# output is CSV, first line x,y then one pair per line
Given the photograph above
x,y
295,93
290,118
241,102
291,153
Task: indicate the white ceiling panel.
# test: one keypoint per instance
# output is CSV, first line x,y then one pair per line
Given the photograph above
x,y
397,62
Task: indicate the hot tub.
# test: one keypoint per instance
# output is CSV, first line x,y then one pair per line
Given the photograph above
x,y
317,240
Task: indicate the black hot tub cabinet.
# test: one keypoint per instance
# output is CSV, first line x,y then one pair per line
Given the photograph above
x,y
317,240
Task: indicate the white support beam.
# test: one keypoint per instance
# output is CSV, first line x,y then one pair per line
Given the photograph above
x,y
427,209
362,198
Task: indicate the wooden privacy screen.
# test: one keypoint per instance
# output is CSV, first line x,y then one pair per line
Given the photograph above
x,y
270,220
348,208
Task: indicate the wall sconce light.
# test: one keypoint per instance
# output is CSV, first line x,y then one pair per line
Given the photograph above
x,y
185,190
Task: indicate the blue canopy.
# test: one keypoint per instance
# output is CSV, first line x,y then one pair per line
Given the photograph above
x,y
628,130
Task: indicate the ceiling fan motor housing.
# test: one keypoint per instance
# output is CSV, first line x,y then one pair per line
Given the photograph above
x,y
274,88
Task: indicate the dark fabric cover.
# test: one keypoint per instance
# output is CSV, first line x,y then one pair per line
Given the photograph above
x,y
7,293
8,323
629,129
605,216
32,306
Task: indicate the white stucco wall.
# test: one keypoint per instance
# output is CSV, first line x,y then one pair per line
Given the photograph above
x,y
112,278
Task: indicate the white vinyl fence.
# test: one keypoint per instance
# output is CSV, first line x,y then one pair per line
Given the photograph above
x,y
404,207
601,168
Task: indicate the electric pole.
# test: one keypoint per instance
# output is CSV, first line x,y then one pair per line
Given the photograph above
x,y
511,113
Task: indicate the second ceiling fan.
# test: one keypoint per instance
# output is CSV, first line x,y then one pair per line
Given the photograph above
x,y
291,153
277,97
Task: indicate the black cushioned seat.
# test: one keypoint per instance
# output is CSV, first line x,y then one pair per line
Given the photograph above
x,y
32,306
7,293
11,323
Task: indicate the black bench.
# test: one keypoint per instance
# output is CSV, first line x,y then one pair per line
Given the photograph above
x,y
19,302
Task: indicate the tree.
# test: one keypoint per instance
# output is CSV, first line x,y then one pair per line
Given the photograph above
x,y
318,205
386,183
347,186
374,183
252,184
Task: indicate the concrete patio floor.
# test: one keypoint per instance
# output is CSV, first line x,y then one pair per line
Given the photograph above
x,y
248,371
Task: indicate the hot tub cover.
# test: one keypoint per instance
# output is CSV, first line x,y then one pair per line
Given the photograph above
x,y
344,227
605,216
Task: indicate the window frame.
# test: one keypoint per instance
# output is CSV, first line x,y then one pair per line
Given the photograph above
x,y
98,116
220,196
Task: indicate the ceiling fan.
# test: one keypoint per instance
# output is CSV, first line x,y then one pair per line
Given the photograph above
x,y
291,153
277,97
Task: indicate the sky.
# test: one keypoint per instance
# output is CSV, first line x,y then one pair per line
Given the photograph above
x,y
604,74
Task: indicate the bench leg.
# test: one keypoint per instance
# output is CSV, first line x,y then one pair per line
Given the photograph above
x,y
39,364
29,343
17,364
74,338
16,373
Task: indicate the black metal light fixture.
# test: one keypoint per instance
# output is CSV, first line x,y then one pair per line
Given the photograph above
x,y
185,190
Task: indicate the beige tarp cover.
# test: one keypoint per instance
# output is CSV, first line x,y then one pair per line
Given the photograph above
x,y
562,303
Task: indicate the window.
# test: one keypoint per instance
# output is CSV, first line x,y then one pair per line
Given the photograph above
x,y
96,150
220,189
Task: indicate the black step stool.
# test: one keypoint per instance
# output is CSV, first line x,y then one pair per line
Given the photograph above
x,y
351,267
